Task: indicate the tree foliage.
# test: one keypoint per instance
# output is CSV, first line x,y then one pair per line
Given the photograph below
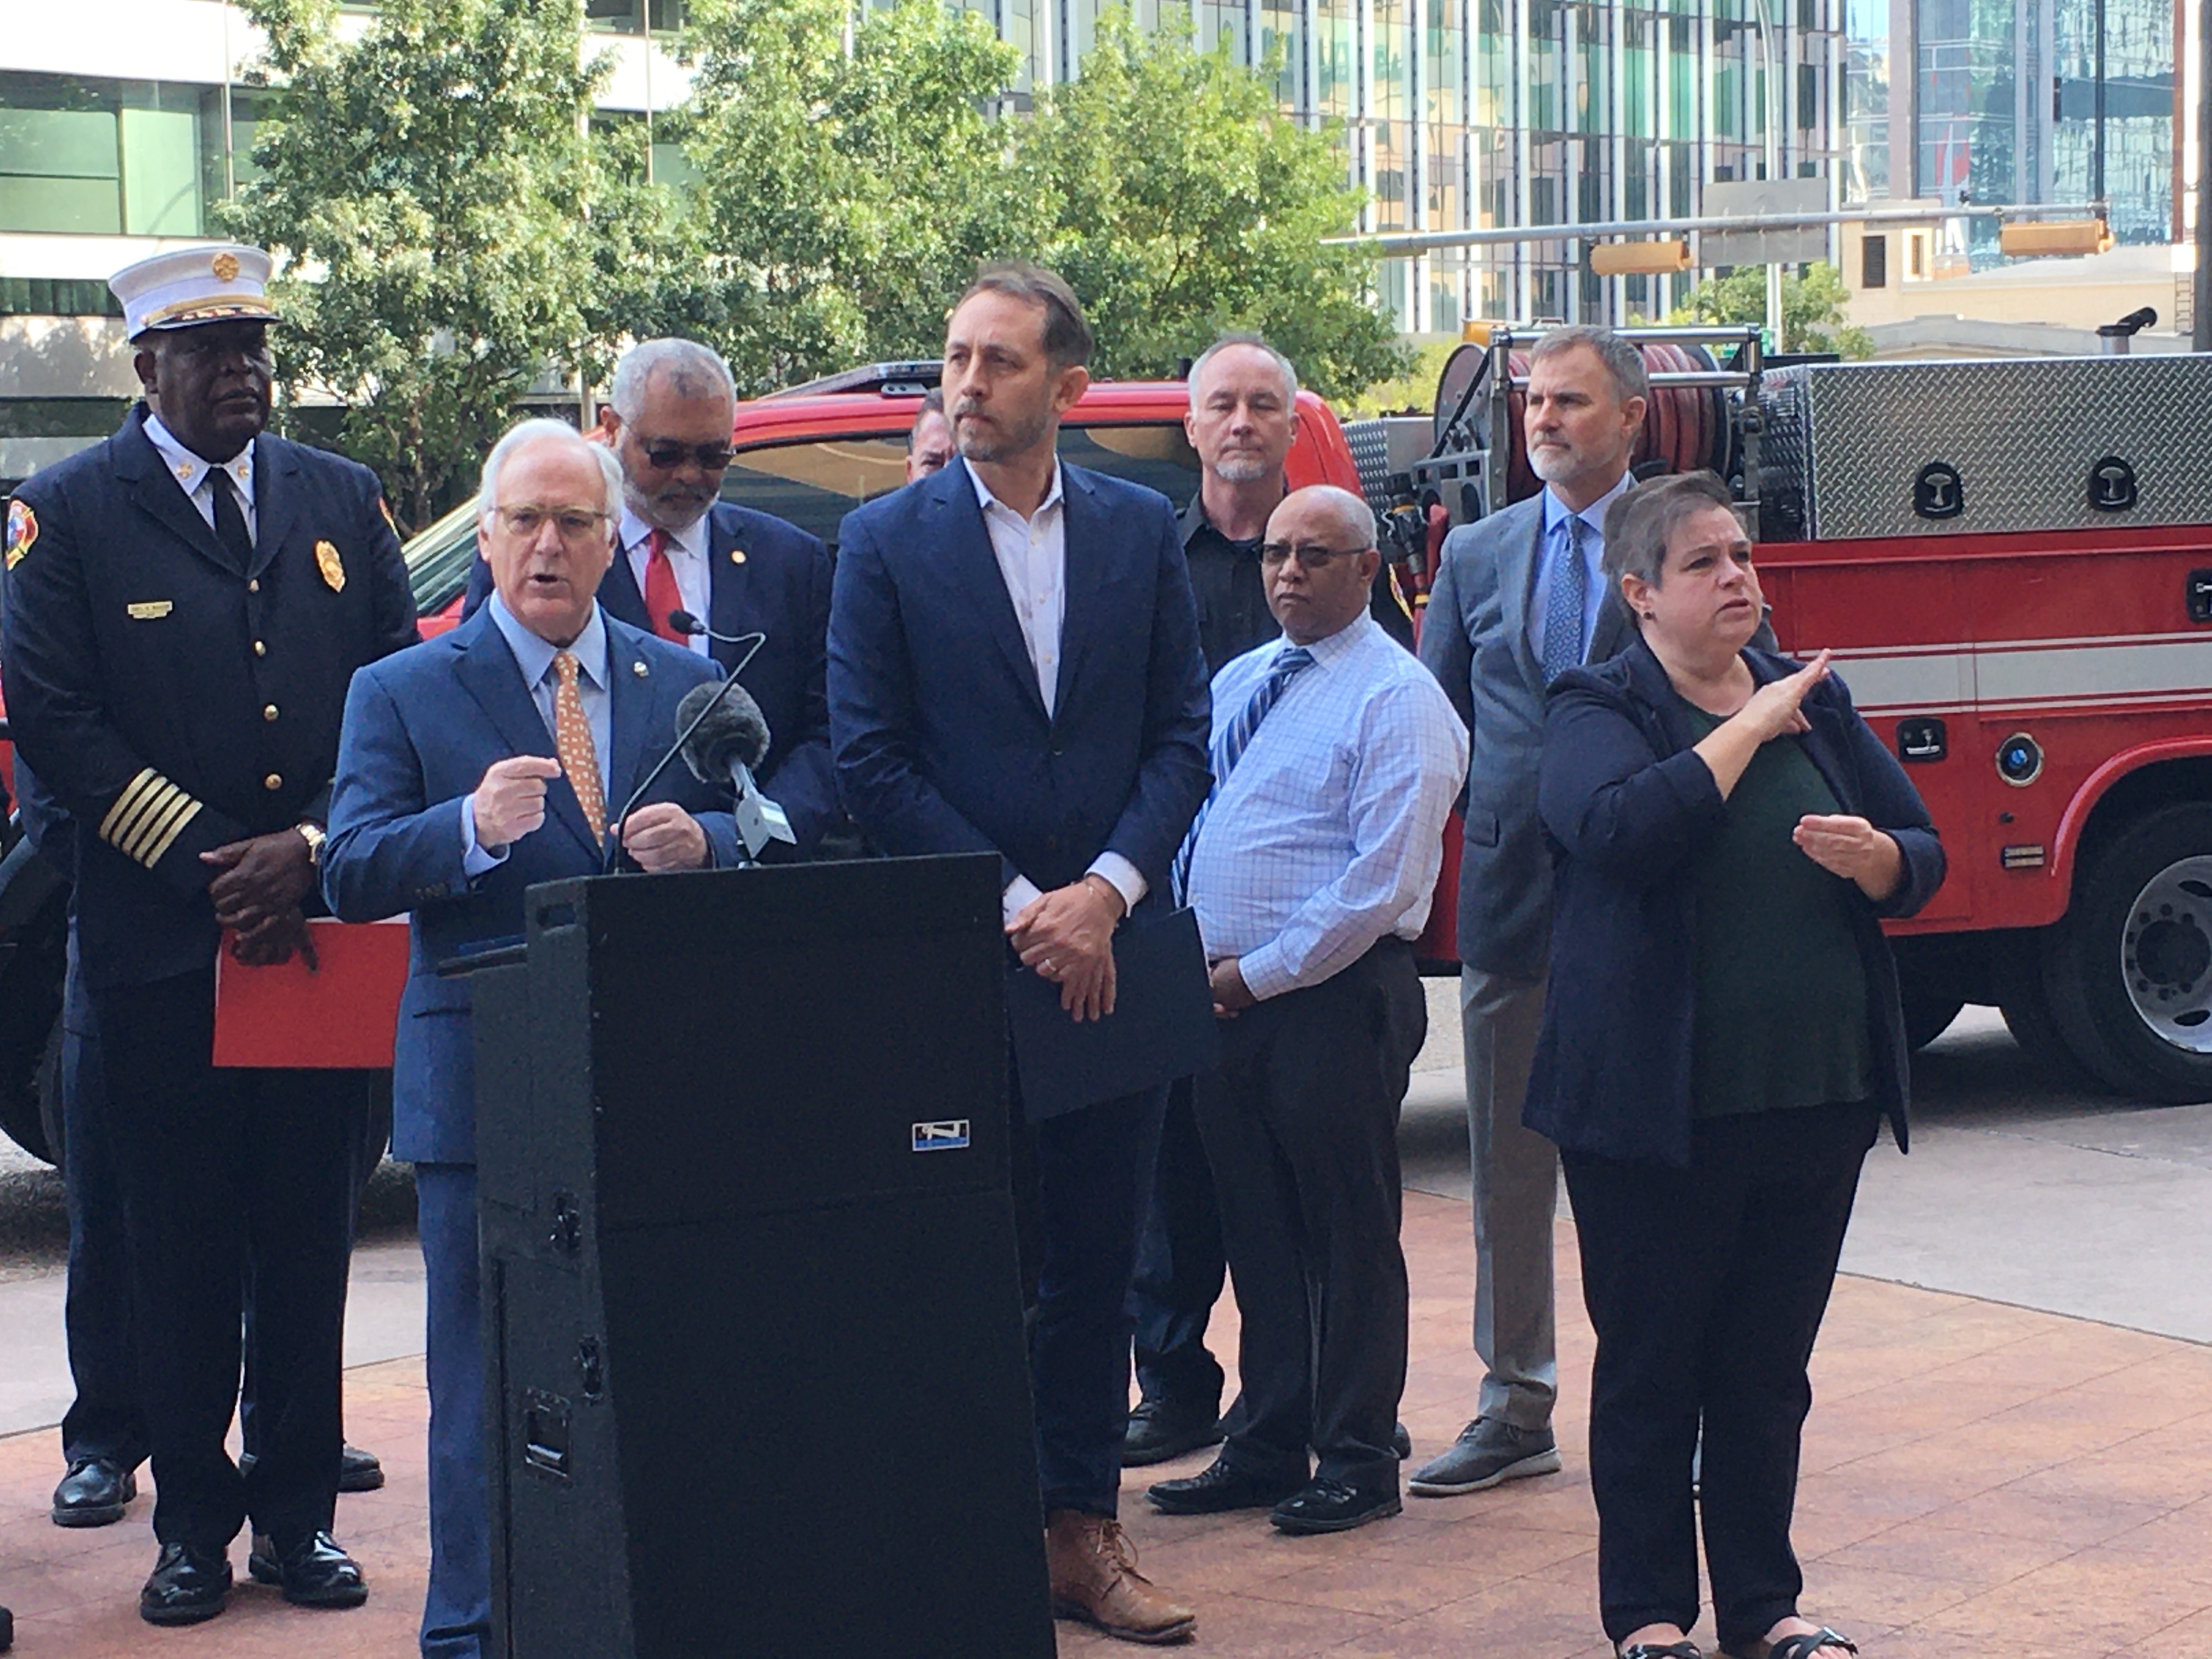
x,y
1180,202
454,226
1812,307
429,188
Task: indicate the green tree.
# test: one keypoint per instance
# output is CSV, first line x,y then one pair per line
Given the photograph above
x,y
1169,189
1812,307
429,190
840,197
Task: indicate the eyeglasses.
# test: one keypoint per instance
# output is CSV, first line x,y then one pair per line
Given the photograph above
x,y
1310,555
574,524
665,455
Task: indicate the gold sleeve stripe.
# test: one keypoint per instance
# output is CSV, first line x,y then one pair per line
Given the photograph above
x,y
168,837
131,833
149,802
134,796
136,844
147,817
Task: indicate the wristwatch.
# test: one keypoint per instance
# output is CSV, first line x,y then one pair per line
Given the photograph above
x,y
312,834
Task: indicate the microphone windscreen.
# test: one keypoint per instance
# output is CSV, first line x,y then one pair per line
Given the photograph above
x,y
734,734
684,623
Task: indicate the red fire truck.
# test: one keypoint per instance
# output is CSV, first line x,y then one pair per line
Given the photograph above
x,y
2012,561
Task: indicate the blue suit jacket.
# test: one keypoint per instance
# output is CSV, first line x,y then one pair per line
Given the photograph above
x,y
1628,806
943,743
420,728
780,587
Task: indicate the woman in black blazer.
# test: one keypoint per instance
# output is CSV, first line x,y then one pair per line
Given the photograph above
x,y
1722,1039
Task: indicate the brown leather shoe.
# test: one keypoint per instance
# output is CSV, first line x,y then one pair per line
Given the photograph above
x,y
1095,1579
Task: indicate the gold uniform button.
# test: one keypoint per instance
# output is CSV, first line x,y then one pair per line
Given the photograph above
x,y
269,712
254,587
260,648
272,781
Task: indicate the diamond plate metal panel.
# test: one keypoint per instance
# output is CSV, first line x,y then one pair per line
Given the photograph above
x,y
2023,434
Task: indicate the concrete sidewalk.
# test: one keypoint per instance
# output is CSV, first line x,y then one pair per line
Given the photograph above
x,y
1979,1480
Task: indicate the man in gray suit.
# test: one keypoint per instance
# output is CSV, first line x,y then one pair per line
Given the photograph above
x,y
1518,600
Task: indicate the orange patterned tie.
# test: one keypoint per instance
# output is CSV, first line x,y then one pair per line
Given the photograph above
x,y
572,733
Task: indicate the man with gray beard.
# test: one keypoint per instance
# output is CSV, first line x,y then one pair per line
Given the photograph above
x,y
1519,598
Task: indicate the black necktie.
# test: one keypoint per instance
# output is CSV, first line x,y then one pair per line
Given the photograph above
x,y
230,521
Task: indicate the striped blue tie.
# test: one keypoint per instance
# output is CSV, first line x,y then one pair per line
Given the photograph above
x,y
1229,749
1563,611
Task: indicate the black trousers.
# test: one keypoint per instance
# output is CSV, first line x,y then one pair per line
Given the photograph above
x,y
1706,1287
231,1179
1301,1127
1077,1183
1180,1267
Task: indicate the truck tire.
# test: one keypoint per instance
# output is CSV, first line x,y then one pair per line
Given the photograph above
x,y
1928,1015
2129,968
34,961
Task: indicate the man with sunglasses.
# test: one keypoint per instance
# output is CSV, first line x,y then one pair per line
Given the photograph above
x,y
680,547
1336,758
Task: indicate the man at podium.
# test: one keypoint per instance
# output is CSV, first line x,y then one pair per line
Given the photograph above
x,y
1014,668
470,767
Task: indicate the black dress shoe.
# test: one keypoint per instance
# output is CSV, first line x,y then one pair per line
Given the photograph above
x,y
359,1471
187,1586
1400,1443
94,1493
1326,1506
1160,1430
1218,1490
7,1630
312,1571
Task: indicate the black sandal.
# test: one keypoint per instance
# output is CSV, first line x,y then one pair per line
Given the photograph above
x,y
1671,1650
1803,1645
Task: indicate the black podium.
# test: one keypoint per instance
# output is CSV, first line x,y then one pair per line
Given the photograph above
x,y
752,1311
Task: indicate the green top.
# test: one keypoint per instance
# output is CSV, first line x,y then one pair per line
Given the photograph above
x,y
1781,992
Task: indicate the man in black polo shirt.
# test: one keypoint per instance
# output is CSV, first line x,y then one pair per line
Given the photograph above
x,y
1242,422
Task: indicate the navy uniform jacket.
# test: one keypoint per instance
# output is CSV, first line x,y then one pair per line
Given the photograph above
x,y
420,728
1628,806
942,742
171,702
769,577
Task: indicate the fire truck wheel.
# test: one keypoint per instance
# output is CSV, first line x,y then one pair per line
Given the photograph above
x,y
2129,970
1927,1017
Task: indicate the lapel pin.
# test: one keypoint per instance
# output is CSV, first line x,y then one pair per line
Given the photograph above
x,y
737,555
640,670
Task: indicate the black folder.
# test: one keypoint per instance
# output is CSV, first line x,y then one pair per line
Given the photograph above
x,y
1161,1027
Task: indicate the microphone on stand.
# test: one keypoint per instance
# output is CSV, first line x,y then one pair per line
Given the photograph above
x,y
686,726
727,742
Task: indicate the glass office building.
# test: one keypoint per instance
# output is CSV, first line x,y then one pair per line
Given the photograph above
x,y
1468,114
2003,106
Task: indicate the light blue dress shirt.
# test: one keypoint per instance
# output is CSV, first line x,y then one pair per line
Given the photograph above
x,y
534,656
1329,833
1556,513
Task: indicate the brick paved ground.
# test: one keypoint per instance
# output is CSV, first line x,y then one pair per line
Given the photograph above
x,y
1979,1480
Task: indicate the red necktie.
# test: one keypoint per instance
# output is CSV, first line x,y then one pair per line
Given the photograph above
x,y
661,594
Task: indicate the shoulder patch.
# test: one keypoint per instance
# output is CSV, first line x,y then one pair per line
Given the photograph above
x,y
22,530
385,508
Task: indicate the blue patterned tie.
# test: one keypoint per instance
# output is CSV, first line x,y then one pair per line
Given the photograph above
x,y
1563,612
1229,749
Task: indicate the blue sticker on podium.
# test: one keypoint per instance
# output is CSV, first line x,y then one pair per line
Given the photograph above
x,y
947,1137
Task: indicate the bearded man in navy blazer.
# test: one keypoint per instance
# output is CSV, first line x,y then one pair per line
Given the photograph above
x,y
470,767
679,547
1014,668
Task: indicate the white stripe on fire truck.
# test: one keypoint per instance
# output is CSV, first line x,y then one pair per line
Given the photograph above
x,y
2031,674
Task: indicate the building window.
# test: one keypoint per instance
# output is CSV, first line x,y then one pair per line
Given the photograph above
x,y
632,16
1874,261
100,157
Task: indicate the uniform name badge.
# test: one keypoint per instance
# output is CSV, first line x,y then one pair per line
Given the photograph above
x,y
327,561
22,530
